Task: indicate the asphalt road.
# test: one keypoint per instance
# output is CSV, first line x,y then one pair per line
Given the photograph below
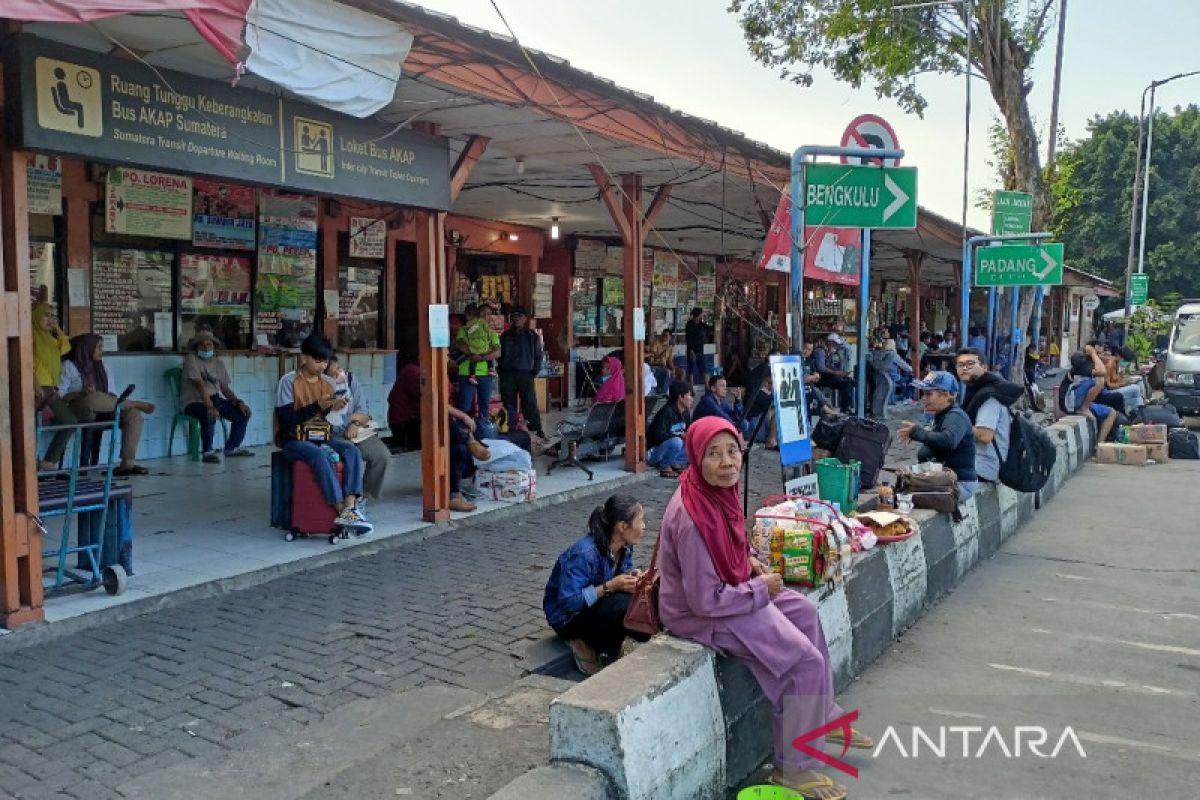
x,y
1088,619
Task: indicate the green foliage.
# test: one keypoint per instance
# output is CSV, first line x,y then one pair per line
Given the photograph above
x,y
1145,325
1092,191
863,41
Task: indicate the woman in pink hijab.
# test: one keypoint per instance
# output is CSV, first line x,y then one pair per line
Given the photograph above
x,y
613,389
714,592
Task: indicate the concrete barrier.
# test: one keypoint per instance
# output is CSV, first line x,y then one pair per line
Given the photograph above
x,y
675,720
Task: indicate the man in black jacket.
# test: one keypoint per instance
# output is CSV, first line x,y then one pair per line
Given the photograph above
x,y
986,400
665,435
520,361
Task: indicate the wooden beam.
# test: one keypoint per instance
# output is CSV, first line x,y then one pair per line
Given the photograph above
x,y
20,540
432,289
467,160
657,204
635,392
915,259
612,201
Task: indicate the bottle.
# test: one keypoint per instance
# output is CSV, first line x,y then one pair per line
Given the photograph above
x,y
887,497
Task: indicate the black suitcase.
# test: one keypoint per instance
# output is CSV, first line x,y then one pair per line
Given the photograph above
x,y
1182,443
1161,414
867,442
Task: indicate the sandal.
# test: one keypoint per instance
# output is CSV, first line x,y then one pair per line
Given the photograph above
x,y
125,472
668,473
822,788
586,660
858,739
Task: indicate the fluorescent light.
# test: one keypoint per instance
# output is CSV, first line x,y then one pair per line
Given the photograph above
x,y
554,228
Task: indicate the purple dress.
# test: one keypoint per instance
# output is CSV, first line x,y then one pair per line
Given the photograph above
x,y
779,639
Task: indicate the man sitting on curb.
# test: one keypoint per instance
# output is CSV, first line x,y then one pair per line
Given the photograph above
x,y
986,400
665,435
1087,380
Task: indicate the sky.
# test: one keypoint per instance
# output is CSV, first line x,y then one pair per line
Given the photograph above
x,y
690,55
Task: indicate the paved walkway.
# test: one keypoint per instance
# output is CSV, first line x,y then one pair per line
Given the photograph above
x,y
85,713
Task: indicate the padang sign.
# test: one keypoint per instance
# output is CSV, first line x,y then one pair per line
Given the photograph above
x,y
82,103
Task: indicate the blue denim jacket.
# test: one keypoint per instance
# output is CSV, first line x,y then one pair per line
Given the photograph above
x,y
577,573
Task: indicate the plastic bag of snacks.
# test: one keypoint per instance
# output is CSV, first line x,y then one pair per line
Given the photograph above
x,y
805,540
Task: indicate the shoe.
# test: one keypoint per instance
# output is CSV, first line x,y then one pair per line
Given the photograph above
x,y
478,450
238,452
211,457
458,503
352,520
586,659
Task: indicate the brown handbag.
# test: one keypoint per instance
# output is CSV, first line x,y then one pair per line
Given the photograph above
x,y
642,614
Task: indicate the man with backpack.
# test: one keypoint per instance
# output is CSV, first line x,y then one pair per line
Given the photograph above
x,y
986,400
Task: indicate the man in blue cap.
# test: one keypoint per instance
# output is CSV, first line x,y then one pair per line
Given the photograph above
x,y
950,438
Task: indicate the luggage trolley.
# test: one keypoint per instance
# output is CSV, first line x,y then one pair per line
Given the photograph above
x,y
79,497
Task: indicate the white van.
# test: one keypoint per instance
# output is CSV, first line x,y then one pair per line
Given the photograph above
x,y
1182,384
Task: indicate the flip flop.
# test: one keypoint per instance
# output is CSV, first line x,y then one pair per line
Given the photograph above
x,y
668,473
807,789
585,659
858,739
125,472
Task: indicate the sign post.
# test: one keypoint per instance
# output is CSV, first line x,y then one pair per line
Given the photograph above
x,y
840,196
1019,265
1012,212
791,412
1139,289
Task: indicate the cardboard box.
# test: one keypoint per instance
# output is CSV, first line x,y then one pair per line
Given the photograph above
x,y
1133,455
1147,434
1157,453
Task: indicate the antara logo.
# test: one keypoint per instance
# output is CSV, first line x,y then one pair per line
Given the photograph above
x,y
976,742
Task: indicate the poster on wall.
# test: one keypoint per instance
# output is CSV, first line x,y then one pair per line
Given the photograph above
x,y
612,292
223,215
41,272
591,257
286,289
130,289
706,291
214,285
368,237
43,177
665,291
665,265
358,306
145,203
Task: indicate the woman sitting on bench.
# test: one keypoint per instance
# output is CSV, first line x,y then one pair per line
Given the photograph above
x,y
84,385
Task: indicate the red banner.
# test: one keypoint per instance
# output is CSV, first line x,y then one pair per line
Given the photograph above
x,y
833,255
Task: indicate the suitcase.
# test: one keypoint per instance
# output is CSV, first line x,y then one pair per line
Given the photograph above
x,y
311,512
867,442
1161,414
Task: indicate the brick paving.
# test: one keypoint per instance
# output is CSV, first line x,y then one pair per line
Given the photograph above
x,y
84,713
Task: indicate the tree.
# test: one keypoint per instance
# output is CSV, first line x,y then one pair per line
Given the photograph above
x,y
871,40
890,46
1092,191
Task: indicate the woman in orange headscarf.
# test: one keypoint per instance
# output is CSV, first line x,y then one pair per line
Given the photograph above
x,y
714,592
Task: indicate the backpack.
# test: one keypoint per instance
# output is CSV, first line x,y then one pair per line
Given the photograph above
x,y
1031,455
1182,443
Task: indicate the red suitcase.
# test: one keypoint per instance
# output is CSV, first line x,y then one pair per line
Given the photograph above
x,y
311,512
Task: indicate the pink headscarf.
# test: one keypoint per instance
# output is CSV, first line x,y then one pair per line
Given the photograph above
x,y
613,389
716,511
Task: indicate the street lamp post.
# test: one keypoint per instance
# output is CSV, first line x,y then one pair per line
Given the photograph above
x,y
1144,175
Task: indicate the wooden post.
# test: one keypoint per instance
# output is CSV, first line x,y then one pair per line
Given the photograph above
x,y
915,259
20,539
327,269
635,385
432,289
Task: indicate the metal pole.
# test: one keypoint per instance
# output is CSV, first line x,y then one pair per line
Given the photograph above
x,y
1146,180
1039,298
991,323
968,265
798,244
799,159
864,298
1058,58
1013,332
967,119
1133,212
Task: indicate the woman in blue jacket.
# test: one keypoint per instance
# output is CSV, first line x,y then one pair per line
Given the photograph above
x,y
592,583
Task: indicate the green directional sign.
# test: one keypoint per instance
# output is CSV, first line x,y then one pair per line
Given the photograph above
x,y
844,196
1012,212
1019,265
1139,289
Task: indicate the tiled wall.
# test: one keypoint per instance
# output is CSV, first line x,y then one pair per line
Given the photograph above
x,y
254,380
